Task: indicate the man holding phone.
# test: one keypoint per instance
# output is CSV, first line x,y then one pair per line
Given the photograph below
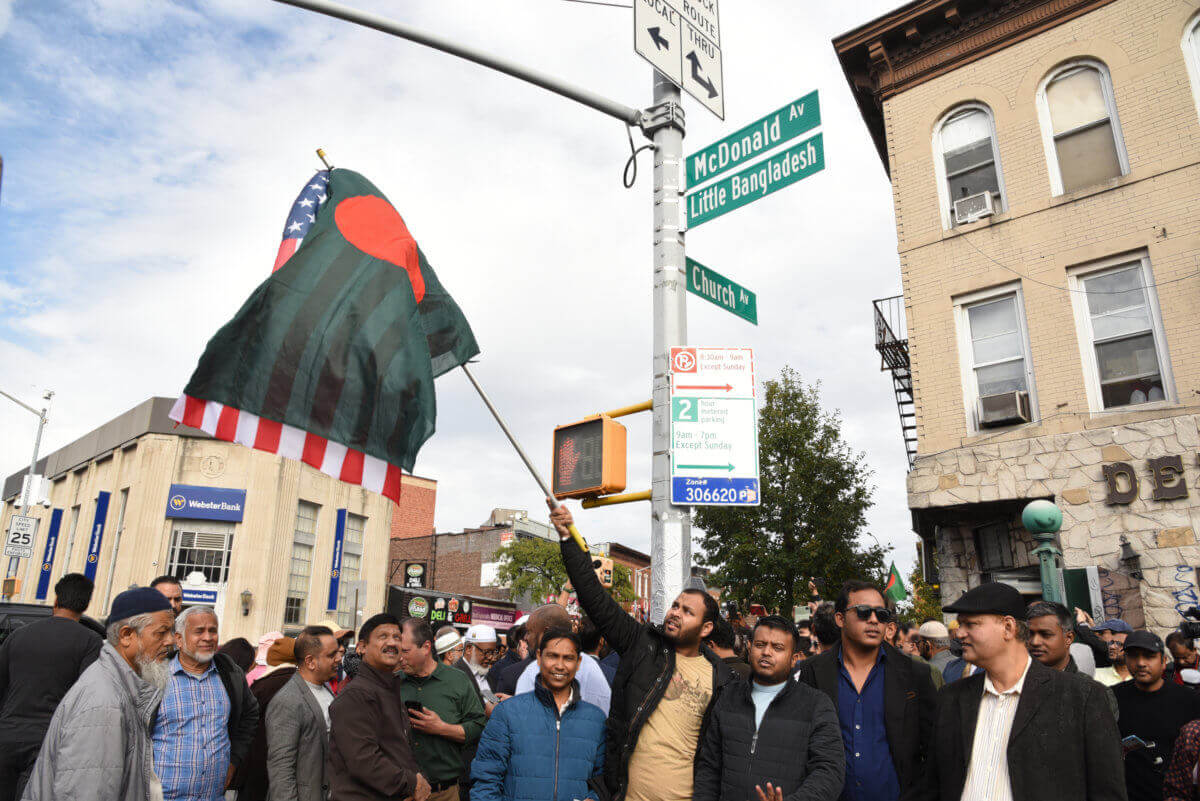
x,y
1152,713
444,709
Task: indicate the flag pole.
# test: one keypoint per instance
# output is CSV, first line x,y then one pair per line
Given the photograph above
x,y
521,452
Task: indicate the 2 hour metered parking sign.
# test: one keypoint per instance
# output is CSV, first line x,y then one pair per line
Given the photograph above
x,y
714,431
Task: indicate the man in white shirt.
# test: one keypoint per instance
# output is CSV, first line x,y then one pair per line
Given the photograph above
x,y
1018,729
298,721
593,687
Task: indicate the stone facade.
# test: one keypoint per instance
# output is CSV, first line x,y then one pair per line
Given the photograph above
x,y
993,480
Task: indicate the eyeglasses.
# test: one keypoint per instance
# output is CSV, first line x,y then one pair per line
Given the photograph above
x,y
864,613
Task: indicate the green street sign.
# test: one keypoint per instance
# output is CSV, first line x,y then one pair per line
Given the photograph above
x,y
720,291
754,140
761,179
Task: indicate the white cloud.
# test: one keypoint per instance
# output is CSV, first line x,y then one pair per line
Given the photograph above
x,y
152,189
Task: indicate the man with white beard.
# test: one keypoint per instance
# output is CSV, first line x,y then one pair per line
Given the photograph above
x,y
98,746
206,723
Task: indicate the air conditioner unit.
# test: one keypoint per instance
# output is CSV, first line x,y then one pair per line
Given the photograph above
x,y
973,207
1007,408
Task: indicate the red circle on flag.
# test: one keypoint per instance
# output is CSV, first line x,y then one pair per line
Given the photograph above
x,y
371,224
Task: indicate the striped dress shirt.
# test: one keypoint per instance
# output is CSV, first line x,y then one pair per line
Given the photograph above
x,y
987,775
191,736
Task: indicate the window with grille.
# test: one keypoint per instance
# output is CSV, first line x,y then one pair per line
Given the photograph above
x,y
1079,121
200,546
967,159
352,548
1122,334
300,572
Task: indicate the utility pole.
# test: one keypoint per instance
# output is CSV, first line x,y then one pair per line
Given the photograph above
x,y
27,494
670,526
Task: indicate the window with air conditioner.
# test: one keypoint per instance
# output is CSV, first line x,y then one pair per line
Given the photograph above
x,y
1080,129
1191,55
967,163
997,371
304,537
1121,334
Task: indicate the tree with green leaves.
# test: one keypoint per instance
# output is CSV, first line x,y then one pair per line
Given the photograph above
x,y
533,566
812,519
924,602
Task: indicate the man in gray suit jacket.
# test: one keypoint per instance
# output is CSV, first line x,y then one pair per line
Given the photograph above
x,y
298,722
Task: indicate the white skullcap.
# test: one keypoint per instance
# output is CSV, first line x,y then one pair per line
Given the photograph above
x,y
480,633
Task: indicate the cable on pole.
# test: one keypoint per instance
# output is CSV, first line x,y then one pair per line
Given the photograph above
x,y
629,174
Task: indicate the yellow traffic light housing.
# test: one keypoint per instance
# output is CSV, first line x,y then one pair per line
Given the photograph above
x,y
604,570
589,458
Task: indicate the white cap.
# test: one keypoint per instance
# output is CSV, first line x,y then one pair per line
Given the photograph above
x,y
934,630
480,633
447,642
522,620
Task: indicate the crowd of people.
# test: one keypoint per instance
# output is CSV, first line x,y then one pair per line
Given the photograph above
x,y
1009,701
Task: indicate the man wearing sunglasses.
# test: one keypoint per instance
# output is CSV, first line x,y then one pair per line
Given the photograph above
x,y
885,700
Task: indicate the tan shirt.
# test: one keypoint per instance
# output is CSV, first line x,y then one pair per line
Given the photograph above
x,y
661,766
987,775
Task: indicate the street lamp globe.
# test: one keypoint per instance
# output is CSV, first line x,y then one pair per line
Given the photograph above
x,y
1041,517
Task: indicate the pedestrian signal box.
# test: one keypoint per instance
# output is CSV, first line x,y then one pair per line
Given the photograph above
x,y
589,458
604,570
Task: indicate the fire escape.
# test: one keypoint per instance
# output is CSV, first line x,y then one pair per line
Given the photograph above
x,y
891,340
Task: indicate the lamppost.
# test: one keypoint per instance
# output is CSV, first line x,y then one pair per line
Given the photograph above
x,y
27,495
1043,519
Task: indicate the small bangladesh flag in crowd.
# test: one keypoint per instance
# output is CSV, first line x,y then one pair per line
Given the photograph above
x,y
332,359
895,586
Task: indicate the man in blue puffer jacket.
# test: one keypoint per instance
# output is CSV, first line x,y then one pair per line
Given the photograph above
x,y
545,745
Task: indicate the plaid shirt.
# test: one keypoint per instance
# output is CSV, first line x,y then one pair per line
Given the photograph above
x,y
191,736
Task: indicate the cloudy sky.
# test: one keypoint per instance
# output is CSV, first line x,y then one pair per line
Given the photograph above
x,y
152,150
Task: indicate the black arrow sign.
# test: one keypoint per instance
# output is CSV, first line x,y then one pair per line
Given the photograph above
x,y
697,76
656,37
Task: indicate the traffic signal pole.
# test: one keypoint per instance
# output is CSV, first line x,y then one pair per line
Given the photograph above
x,y
670,528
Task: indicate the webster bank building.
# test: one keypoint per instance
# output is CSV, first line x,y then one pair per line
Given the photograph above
x,y
269,542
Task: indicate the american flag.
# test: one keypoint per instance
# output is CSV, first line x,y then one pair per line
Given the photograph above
x,y
302,216
234,425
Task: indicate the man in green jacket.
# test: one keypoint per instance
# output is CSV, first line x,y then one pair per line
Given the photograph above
x,y
444,709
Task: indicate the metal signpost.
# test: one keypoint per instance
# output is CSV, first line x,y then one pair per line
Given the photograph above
x,y
21,532
720,291
682,39
714,436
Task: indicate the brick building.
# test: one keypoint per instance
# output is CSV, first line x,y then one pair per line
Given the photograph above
x,y
461,562
639,572
1044,157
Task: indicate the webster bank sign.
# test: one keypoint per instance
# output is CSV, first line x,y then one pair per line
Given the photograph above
x,y
205,503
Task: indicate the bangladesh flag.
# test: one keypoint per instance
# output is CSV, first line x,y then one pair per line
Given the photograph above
x,y
332,359
895,586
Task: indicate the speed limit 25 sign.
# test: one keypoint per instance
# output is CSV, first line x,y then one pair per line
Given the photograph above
x,y
21,531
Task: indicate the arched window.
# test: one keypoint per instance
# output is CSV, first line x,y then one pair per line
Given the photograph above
x,y
1191,55
966,159
1080,127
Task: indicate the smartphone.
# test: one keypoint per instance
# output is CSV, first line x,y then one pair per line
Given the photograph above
x,y
414,706
1134,743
